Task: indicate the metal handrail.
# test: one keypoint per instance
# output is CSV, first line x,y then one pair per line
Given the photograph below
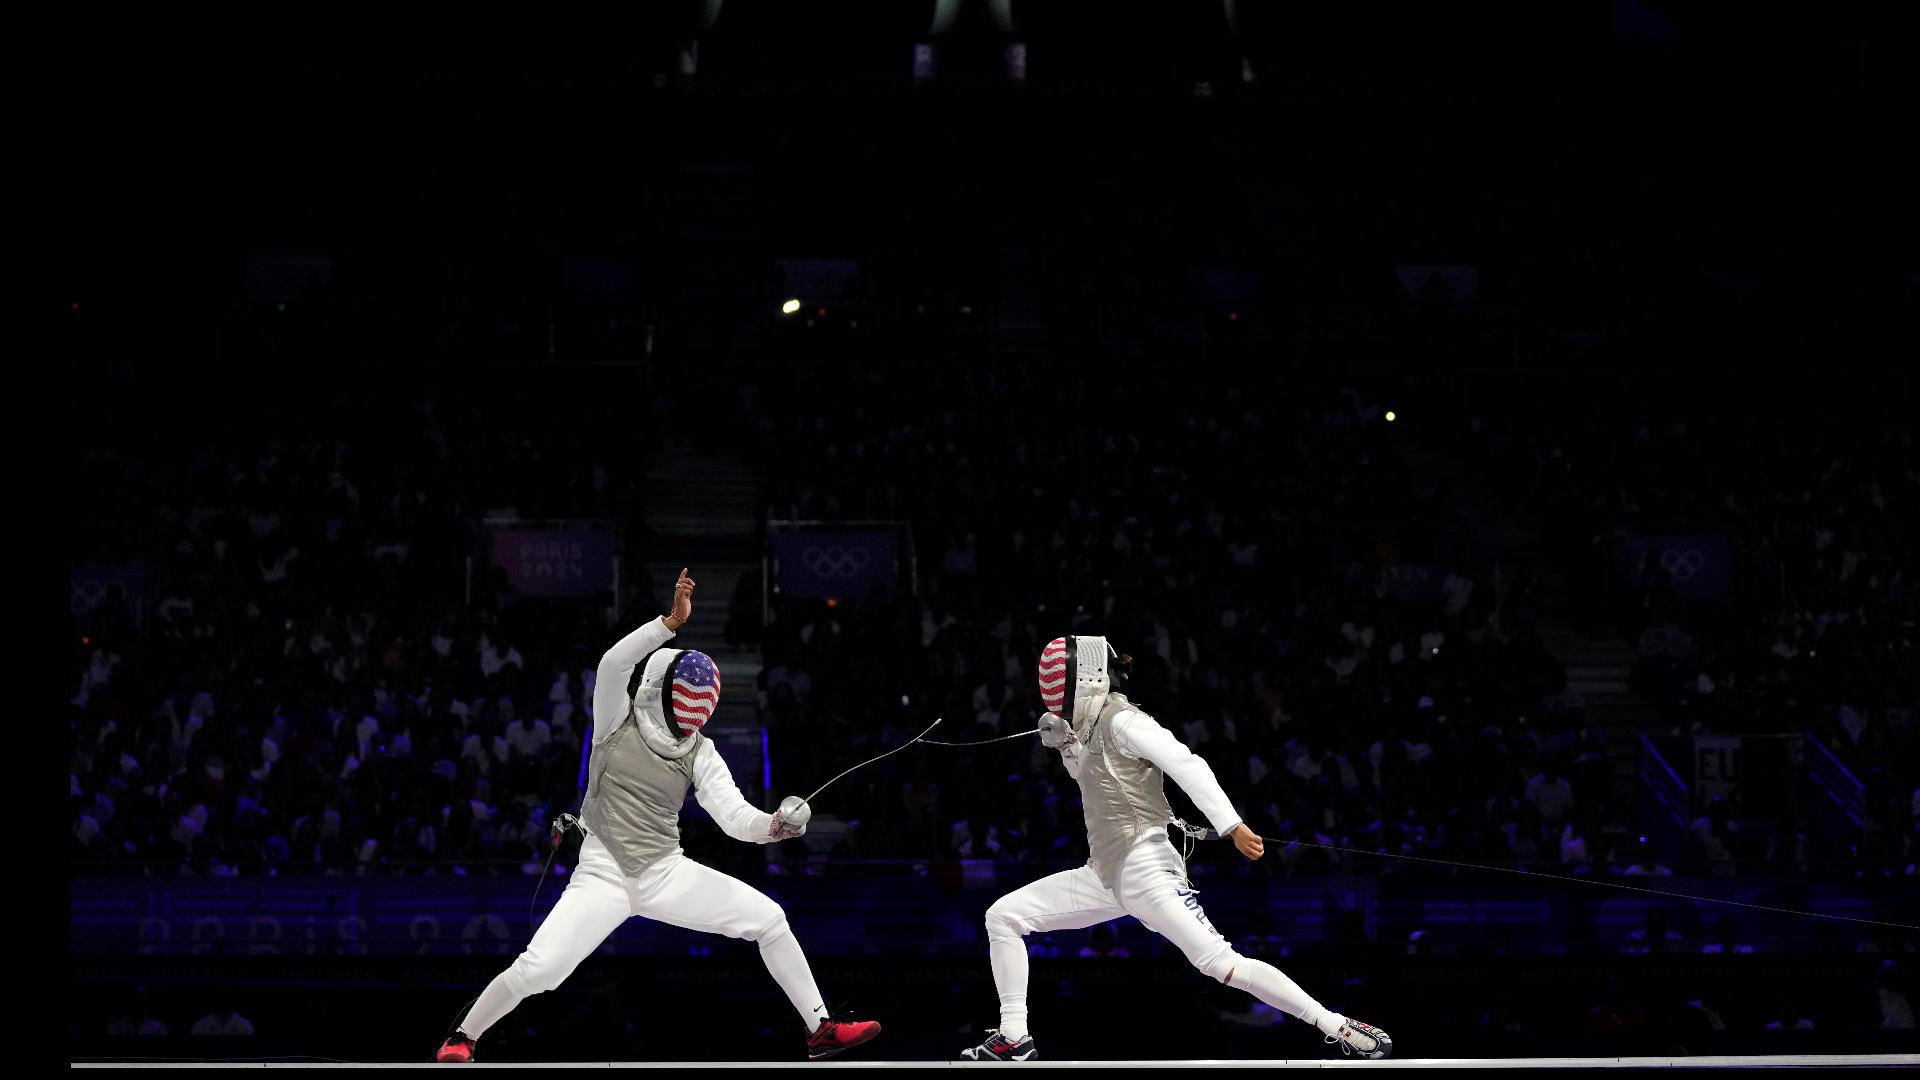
x,y
1664,783
1832,777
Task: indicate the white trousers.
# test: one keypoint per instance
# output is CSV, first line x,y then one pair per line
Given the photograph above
x,y
1154,889
676,891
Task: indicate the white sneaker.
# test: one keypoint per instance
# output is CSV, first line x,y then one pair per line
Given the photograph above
x,y
1365,1040
1000,1048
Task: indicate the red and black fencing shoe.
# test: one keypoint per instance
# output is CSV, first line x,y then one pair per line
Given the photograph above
x,y
833,1036
457,1050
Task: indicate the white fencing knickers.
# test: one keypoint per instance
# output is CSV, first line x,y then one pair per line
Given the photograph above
x,y
1153,888
676,891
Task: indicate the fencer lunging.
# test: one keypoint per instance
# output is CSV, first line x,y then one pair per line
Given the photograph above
x,y
646,752
1121,757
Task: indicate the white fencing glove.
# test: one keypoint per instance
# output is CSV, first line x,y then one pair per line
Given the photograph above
x,y
791,819
1055,732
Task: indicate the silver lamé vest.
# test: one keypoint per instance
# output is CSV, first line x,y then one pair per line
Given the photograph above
x,y
1123,798
634,797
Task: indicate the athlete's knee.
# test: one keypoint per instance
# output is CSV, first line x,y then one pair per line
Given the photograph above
x,y
1219,964
763,921
532,973
1002,922
770,932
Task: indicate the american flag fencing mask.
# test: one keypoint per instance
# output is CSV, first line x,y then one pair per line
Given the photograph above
x,y
692,692
1076,674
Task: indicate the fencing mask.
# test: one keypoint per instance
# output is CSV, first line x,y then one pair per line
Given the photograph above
x,y
1077,674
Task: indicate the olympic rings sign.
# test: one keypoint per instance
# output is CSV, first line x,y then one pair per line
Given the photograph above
x,y
1683,564
91,584
835,564
1696,566
836,561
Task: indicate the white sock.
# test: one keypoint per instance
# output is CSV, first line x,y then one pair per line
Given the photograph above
x,y
1009,958
1271,985
788,966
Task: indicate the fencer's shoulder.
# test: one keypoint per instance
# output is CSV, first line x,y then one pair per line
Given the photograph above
x,y
704,752
1133,723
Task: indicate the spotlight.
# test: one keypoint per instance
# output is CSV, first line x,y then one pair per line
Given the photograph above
x,y
789,307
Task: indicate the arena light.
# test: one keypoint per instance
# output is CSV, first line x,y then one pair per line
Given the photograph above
x,y
789,307
1390,416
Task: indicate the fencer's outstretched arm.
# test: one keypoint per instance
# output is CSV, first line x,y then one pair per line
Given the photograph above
x,y
719,796
1138,735
610,699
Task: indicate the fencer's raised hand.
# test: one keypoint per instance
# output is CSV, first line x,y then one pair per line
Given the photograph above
x,y
1248,842
791,819
1055,732
682,609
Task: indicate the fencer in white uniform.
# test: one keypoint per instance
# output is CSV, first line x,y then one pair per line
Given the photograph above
x,y
1121,757
646,752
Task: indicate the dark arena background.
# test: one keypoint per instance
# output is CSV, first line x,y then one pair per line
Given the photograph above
x,y
1489,425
